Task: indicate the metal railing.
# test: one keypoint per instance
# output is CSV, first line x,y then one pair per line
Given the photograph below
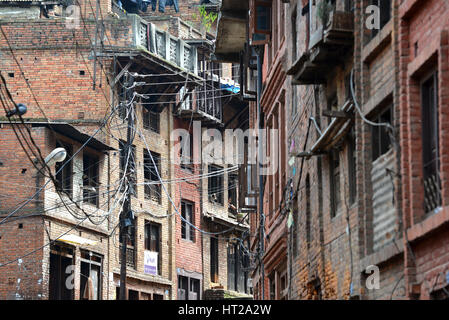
x,y
130,256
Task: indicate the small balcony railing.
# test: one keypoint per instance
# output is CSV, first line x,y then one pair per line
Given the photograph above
x,y
130,256
205,102
432,193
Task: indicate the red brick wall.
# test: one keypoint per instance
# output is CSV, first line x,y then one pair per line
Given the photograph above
x,y
424,44
188,253
22,279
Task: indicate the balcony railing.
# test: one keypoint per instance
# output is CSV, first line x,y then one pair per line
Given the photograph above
x,y
162,44
432,193
130,256
204,102
327,46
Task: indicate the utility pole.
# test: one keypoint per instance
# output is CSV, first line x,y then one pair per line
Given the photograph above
x,y
260,153
126,211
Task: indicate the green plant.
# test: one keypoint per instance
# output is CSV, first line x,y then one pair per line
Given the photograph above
x,y
207,18
324,9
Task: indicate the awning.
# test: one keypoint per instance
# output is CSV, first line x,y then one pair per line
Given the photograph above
x,y
71,132
336,130
76,240
334,133
226,222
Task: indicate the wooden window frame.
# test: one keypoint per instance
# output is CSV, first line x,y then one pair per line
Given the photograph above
x,y
188,231
149,229
91,178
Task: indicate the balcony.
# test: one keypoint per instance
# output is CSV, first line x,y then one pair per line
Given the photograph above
x,y
203,104
168,62
162,44
327,46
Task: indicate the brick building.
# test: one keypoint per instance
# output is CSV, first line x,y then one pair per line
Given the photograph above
x,y
364,125
64,108
142,66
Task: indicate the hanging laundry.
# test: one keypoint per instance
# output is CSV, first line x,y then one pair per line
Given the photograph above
x,y
292,146
134,6
291,162
163,4
290,219
173,3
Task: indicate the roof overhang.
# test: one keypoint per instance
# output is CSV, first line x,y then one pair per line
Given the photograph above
x,y
226,222
232,30
69,131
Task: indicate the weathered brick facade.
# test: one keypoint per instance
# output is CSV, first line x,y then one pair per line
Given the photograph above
x,y
58,65
362,193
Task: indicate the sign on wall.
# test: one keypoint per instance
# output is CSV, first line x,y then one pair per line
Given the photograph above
x,y
150,262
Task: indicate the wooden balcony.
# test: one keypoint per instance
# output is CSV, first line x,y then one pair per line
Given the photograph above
x,y
203,104
328,45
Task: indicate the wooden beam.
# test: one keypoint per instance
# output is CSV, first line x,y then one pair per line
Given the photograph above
x,y
120,74
336,114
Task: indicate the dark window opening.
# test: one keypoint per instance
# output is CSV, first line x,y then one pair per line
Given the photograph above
x,y
232,193
348,93
90,277
153,188
442,294
385,14
308,214
183,287
61,268
430,131
64,177
381,141
349,5
314,288
237,268
153,242
295,227
215,184
151,120
188,221
283,286
352,168
334,161
189,288
186,152
90,179
133,295
214,259
130,244
272,287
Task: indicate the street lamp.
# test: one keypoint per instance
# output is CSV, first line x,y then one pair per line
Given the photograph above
x,y
57,155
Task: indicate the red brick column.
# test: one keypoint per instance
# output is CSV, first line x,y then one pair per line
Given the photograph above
x,y
443,104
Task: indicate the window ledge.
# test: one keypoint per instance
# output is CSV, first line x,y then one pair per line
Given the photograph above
x,y
428,225
378,43
382,255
